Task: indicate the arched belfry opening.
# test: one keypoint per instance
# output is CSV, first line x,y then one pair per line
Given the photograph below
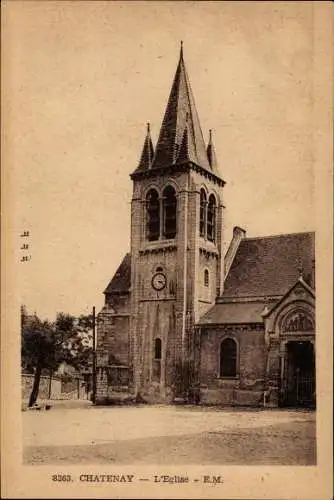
x,y
169,212
153,215
202,216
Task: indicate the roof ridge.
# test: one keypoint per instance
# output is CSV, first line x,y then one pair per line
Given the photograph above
x,y
281,235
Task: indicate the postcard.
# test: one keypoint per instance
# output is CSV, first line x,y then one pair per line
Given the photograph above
x,y
167,249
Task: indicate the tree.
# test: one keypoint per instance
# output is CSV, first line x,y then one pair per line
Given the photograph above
x,y
38,350
45,345
78,347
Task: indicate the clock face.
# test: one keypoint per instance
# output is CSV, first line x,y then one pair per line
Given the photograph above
x,y
159,281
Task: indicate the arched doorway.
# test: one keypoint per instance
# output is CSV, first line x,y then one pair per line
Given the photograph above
x,y
299,374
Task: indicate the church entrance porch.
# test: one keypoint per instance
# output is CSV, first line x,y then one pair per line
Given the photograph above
x,y
298,388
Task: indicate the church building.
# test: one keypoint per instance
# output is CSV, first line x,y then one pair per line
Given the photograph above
x,y
186,321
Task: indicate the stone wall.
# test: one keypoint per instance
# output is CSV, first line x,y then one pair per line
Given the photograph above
x,y
74,387
27,381
112,343
70,388
248,386
170,313
129,324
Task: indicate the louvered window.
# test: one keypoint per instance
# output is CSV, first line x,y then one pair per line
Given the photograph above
x,y
169,212
202,214
211,223
153,215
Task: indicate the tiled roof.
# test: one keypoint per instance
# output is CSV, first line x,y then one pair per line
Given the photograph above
x,y
233,313
121,280
269,266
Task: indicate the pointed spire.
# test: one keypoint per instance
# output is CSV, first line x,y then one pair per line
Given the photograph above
x,y
212,154
180,104
147,154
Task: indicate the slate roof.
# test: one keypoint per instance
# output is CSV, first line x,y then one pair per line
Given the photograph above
x,y
233,313
121,280
180,114
268,266
211,152
147,154
263,267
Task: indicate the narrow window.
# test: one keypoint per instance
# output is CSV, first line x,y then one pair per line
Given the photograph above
x,y
228,358
157,349
169,200
206,277
202,213
153,215
156,365
211,225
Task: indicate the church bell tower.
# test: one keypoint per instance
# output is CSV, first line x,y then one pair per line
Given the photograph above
x,y
176,246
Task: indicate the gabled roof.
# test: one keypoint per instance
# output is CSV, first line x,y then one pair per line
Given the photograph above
x,y
180,113
298,284
147,154
270,266
121,280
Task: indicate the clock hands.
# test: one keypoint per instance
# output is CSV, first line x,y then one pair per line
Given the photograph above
x,y
159,281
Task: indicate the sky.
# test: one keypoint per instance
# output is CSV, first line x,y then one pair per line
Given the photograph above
x,y
82,80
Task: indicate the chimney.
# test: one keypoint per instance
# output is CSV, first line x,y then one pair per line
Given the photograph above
x,y
239,232
238,235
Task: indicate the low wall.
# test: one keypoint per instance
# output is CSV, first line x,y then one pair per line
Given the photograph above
x,y
60,389
231,397
74,385
27,381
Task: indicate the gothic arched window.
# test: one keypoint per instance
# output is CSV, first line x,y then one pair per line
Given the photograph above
x,y
153,215
228,358
157,349
211,222
169,212
202,213
206,277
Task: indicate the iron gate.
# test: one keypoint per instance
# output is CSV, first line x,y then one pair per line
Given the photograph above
x,y
305,389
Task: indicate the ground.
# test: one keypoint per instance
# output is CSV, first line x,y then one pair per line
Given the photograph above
x,y
79,433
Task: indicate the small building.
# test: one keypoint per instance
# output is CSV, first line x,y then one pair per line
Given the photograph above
x,y
183,318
